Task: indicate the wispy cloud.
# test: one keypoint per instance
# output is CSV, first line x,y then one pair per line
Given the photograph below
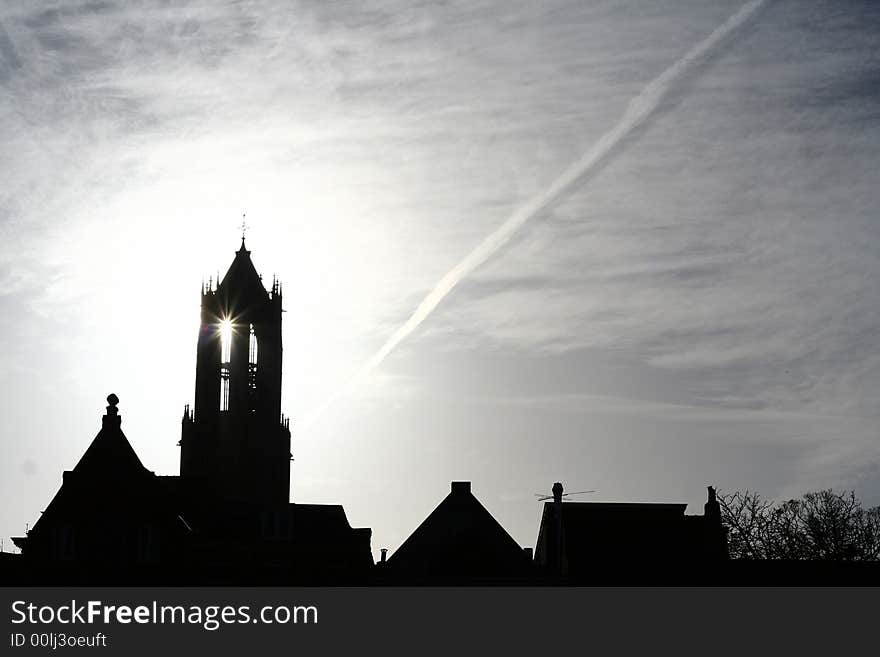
x,y
638,110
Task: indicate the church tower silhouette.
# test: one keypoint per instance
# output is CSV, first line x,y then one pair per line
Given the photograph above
x,y
235,443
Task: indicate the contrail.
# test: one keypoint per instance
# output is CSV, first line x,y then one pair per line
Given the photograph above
x,y
637,112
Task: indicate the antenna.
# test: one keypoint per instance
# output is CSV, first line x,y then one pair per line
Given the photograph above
x,y
541,497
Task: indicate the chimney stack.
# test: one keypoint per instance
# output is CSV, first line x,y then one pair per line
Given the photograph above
x,y
712,509
460,487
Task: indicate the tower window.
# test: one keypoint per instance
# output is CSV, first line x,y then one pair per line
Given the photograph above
x,y
252,369
224,388
252,348
225,341
225,357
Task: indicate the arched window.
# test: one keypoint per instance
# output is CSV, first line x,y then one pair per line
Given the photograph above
x,y
252,369
252,348
225,357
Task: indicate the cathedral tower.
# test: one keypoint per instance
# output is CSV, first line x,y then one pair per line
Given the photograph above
x,y
235,442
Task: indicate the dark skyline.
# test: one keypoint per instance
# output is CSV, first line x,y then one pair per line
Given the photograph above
x,y
702,310
226,517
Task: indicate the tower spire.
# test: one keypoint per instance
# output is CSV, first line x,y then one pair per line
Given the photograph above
x,y
234,443
244,228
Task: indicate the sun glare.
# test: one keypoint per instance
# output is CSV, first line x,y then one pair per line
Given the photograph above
x,y
225,340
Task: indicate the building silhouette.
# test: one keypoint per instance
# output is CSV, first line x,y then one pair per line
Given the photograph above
x,y
235,440
112,520
460,541
611,541
226,518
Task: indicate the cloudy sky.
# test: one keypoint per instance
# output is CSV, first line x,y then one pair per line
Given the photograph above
x,y
702,308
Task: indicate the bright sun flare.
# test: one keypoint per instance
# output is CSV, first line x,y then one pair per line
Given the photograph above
x,y
225,338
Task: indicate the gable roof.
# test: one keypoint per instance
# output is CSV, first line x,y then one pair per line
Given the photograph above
x,y
110,455
460,537
108,479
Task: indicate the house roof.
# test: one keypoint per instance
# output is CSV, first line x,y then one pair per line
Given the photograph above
x,y
576,536
109,479
460,537
110,454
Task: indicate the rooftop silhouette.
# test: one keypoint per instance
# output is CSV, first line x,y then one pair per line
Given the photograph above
x,y
226,518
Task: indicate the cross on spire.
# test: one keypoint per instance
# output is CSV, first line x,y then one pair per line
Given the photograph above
x,y
244,228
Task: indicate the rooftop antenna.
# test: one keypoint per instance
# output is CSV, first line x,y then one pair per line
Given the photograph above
x,y
557,493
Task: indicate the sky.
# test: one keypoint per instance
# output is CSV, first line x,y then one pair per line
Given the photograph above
x,y
701,308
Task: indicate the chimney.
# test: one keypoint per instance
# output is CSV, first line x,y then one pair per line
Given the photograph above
x,y
712,509
557,492
460,487
384,556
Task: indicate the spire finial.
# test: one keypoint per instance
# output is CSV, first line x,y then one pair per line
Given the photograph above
x,y
112,400
244,227
112,419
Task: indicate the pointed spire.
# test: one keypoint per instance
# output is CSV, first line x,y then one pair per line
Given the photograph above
x,y
244,228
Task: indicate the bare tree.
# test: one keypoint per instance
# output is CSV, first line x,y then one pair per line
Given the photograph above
x,y
820,526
